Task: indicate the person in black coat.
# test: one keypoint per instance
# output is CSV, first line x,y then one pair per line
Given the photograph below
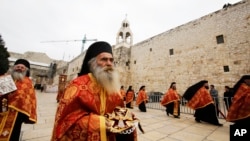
x,y
228,95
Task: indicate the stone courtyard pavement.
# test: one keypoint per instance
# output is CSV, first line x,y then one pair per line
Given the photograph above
x,y
157,126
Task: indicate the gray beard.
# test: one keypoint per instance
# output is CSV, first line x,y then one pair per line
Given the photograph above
x,y
107,77
16,75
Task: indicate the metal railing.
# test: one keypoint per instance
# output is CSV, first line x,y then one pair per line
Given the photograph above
x,y
223,105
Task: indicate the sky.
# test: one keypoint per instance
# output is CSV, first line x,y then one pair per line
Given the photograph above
x,y
57,27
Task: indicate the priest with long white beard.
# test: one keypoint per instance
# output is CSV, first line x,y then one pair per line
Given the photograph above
x,y
21,103
19,72
88,98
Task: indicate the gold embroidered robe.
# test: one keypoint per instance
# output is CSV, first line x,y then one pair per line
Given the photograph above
x,y
170,96
240,108
200,99
80,113
22,100
142,97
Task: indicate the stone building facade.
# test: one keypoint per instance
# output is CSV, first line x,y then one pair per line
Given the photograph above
x,y
215,47
41,67
75,66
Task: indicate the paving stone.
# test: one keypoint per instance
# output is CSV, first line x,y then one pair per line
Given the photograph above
x,y
156,124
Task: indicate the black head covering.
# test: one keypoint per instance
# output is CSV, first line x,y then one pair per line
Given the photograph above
x,y
25,63
237,85
129,89
172,84
189,93
94,49
142,87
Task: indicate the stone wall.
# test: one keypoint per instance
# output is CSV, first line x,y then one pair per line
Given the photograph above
x,y
122,61
75,66
215,47
196,53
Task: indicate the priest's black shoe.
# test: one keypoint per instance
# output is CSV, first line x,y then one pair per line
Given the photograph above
x,y
176,117
219,124
197,120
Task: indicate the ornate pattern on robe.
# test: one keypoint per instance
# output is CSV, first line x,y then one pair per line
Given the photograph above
x,y
240,108
170,96
80,113
142,97
130,97
22,100
7,121
200,99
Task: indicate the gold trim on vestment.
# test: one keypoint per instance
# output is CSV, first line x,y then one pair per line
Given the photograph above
x,y
102,110
7,124
103,128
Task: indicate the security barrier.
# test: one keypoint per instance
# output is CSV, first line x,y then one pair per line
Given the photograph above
x,y
222,102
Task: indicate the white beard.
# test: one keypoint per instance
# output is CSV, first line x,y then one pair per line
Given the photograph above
x,y
107,77
17,75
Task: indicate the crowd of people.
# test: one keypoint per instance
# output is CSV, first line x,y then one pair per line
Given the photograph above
x,y
203,99
84,111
